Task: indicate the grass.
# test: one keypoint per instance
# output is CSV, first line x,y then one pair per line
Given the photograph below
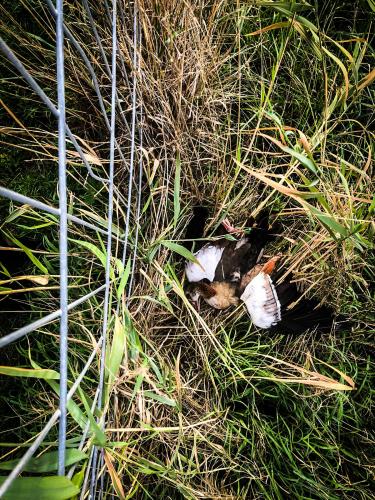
x,y
243,107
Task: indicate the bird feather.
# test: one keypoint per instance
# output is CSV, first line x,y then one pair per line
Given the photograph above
x,y
261,300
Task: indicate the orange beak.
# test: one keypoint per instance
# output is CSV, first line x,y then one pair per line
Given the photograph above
x,y
270,265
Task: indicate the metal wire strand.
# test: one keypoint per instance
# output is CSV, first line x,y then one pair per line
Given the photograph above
x,y
64,133
54,418
13,195
136,68
63,240
88,65
35,325
109,237
47,101
132,145
105,59
140,175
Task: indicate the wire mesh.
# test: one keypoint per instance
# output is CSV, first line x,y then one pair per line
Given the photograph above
x,y
109,237
67,221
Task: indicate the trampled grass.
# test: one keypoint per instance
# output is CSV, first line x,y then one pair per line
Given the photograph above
x,y
243,107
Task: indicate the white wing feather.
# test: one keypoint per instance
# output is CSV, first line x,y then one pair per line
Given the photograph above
x,y
261,301
209,257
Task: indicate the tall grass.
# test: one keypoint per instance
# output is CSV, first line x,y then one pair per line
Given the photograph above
x,y
243,107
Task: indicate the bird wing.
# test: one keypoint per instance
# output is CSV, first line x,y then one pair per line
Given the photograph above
x,y
209,257
261,301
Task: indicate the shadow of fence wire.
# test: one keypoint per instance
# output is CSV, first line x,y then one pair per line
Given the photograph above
x,y
92,484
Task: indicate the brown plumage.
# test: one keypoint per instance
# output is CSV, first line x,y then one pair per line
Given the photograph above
x,y
223,294
218,294
267,268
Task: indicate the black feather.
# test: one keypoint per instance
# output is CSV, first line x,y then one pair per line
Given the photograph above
x,y
260,235
307,314
195,228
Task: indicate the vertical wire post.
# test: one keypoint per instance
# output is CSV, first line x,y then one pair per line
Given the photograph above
x,y
140,173
110,206
132,145
63,240
109,239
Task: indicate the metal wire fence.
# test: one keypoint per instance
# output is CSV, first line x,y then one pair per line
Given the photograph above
x,y
90,488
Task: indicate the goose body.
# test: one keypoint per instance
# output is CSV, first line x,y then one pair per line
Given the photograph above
x,y
224,259
270,306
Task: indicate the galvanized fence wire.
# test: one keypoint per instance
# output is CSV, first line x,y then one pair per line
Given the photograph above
x,y
63,240
60,415
109,237
98,461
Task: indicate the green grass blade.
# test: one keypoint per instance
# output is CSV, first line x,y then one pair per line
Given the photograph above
x,y
101,256
74,410
184,252
176,193
116,352
78,479
287,7
29,254
161,399
94,427
40,488
48,462
304,160
29,372
123,280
